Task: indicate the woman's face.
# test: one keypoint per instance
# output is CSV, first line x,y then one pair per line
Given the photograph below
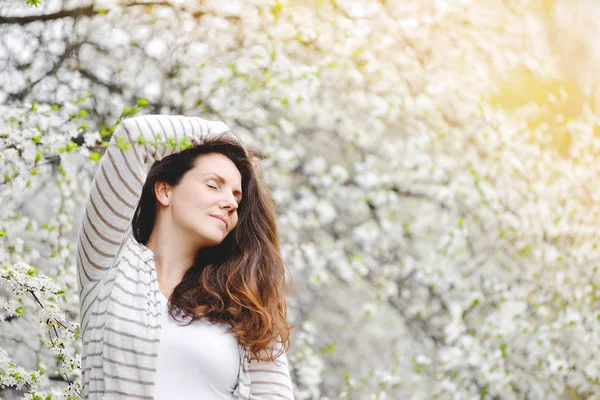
x,y
205,201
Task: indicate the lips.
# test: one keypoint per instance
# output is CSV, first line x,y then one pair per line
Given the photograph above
x,y
220,218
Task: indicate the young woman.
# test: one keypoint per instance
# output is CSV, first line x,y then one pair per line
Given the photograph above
x,y
182,285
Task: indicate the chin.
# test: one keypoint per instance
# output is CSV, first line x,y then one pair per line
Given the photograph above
x,y
212,239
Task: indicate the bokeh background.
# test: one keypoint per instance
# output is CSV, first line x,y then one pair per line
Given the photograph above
x,y
434,165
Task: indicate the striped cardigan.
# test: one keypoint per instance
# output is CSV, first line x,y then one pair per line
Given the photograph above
x,y
118,286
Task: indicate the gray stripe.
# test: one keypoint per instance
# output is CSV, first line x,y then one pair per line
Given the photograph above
x,y
98,299
123,181
143,339
271,372
137,158
93,328
84,315
148,326
121,333
97,250
103,299
79,274
162,155
108,205
80,263
127,395
141,295
189,120
120,271
272,383
135,267
199,129
174,129
135,308
93,340
89,260
135,145
120,378
136,352
134,366
107,240
135,193
111,226
180,120
273,394
108,295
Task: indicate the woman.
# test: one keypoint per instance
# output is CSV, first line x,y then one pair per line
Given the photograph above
x,y
181,280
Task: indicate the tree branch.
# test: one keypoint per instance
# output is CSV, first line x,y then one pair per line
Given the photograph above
x,y
73,13
19,96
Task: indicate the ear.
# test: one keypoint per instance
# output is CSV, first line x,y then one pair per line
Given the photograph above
x,y
162,191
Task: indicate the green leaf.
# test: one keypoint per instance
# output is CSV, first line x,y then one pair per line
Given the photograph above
x,y
19,310
330,348
31,271
142,102
71,146
94,156
185,143
276,9
104,131
83,98
102,11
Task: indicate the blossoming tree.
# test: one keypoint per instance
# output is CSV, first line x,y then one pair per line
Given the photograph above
x,y
442,241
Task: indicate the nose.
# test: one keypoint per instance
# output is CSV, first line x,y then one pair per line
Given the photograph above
x,y
229,202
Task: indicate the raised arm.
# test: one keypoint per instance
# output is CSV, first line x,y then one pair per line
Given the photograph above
x,y
117,185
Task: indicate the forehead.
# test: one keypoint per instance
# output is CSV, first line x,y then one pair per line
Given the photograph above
x,y
216,163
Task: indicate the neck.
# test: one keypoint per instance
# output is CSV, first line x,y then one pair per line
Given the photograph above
x,y
173,256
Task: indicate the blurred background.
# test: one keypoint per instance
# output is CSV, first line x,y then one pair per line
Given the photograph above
x,y
433,163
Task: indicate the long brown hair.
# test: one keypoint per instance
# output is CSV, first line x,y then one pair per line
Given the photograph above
x,y
242,281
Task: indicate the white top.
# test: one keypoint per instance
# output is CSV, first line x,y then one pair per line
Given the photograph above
x,y
200,360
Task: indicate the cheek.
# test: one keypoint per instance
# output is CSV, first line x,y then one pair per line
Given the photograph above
x,y
234,221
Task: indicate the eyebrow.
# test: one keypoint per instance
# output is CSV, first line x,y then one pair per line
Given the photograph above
x,y
223,181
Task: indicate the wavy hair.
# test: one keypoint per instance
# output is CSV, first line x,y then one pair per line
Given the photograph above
x,y
242,281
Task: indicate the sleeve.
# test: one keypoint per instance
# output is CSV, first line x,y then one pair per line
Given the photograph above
x,y
271,380
118,182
